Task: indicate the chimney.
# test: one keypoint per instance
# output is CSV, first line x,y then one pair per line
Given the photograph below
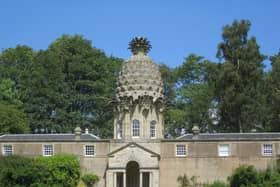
x,y
86,131
78,132
195,131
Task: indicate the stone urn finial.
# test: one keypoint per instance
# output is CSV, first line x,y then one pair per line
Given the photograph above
x,y
78,132
195,130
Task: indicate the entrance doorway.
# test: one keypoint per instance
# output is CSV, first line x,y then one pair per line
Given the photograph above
x,y
134,178
132,174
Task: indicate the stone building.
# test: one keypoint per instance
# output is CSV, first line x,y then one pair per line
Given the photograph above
x,y
138,155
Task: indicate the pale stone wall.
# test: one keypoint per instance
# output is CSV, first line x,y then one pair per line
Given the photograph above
x,y
96,164
203,161
99,162
137,112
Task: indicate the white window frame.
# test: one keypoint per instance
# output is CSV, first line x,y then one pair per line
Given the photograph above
x,y
153,131
183,152
47,152
222,152
267,149
6,152
86,152
135,130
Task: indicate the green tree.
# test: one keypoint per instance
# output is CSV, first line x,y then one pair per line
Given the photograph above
x,y
13,62
62,170
13,118
183,181
20,171
169,79
244,176
59,170
273,96
240,81
43,91
195,92
8,92
90,75
173,115
74,81
90,179
269,178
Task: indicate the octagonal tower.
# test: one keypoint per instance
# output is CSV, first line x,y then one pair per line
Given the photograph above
x,y
139,96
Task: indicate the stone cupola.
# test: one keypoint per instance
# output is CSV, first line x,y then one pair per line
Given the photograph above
x,y
139,96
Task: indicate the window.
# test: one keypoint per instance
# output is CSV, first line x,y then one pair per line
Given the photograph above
x,y
153,129
267,149
7,150
48,150
89,150
135,128
181,150
120,130
223,150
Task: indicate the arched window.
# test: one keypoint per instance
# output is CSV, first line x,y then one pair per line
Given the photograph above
x,y
135,128
153,129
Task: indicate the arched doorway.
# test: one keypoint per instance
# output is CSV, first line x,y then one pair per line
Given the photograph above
x,y
132,174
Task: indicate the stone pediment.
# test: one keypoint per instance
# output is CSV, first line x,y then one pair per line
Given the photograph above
x,y
133,152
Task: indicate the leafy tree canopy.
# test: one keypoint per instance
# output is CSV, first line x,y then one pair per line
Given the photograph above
x,y
13,62
58,170
239,83
72,83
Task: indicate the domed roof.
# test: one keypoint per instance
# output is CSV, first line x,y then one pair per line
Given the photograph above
x,y
139,75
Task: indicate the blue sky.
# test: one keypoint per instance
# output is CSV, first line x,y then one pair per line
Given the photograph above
x,y
175,28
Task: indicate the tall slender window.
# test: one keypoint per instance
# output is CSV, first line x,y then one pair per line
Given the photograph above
x,y
120,130
135,128
153,129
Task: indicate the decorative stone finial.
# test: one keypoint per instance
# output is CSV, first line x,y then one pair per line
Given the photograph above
x,y
195,130
78,131
139,45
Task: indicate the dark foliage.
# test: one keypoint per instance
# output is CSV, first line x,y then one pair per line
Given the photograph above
x,y
19,171
72,83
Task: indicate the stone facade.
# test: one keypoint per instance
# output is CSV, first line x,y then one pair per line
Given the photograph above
x,y
139,156
158,158
203,160
139,98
